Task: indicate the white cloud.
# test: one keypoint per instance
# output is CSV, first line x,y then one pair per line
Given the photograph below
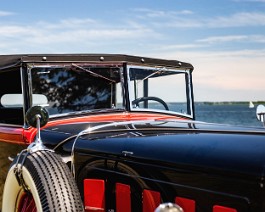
x,y
144,12
5,13
221,39
179,47
166,18
70,23
233,38
187,19
258,38
206,56
10,31
86,35
72,35
237,20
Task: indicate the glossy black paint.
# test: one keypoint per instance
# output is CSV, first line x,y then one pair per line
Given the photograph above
x,y
211,164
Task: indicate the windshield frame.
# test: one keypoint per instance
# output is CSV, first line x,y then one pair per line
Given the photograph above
x,y
126,92
188,87
31,67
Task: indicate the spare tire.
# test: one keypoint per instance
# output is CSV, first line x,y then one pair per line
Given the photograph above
x,y
47,185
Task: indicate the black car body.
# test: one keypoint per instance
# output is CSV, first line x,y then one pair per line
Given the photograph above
x,y
126,128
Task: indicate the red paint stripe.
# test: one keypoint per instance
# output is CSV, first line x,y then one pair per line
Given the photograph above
x,y
218,208
115,117
151,200
188,205
94,195
123,198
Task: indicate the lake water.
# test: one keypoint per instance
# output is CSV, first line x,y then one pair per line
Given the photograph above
x,y
229,113
233,113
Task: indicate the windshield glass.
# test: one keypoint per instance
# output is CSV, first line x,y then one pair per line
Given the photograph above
x,y
160,89
78,88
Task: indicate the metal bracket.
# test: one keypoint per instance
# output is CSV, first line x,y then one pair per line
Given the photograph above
x,y
18,170
37,145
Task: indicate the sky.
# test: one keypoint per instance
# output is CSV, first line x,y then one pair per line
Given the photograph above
x,y
223,39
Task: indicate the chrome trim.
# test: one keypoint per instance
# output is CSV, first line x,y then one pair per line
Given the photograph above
x,y
90,130
23,96
37,145
189,86
127,153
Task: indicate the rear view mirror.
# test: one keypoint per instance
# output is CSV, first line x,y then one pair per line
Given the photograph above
x,y
36,112
260,112
16,100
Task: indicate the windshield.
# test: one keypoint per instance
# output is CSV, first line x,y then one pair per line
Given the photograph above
x,y
160,89
78,88
83,87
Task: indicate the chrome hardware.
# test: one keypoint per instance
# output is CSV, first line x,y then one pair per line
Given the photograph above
x,y
127,153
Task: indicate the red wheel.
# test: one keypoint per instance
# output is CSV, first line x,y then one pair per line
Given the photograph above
x,y
26,203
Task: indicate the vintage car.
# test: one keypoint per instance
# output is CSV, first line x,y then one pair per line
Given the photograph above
x,y
108,132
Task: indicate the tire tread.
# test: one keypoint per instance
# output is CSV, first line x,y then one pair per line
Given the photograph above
x,y
54,182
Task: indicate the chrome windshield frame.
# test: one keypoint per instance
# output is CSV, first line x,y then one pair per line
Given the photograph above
x,y
31,66
188,85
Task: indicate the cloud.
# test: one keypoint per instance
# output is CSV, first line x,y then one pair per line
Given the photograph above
x,y
233,38
188,19
129,31
71,35
234,20
179,47
5,13
166,18
237,20
70,23
221,39
10,31
204,56
148,13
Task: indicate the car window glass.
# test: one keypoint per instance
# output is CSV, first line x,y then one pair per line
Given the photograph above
x,y
159,89
76,88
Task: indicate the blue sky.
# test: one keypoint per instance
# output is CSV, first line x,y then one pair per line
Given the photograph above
x,y
224,39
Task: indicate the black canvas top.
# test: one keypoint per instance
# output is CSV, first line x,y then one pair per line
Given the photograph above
x,y
7,61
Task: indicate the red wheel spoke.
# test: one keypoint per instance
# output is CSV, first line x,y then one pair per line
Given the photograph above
x,y
27,203
31,205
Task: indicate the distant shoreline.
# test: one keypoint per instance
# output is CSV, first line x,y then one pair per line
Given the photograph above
x,y
229,102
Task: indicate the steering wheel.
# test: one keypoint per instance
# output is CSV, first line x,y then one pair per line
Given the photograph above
x,y
147,98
